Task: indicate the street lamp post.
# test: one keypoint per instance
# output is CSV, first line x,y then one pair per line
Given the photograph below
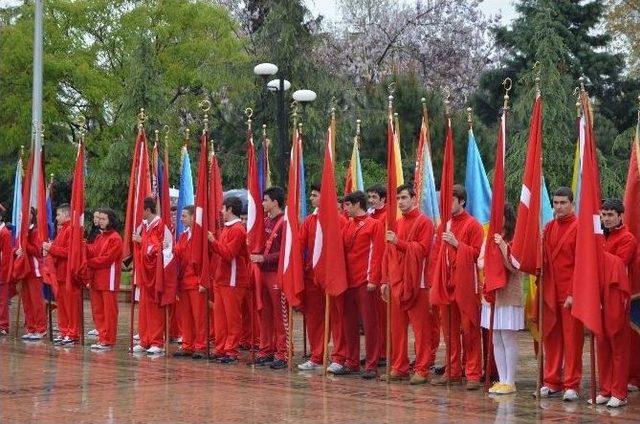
x,y
279,86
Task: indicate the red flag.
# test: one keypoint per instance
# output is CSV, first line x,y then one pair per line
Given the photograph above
x,y
77,252
524,253
589,262
199,243
631,202
216,196
392,177
167,266
439,292
139,188
255,213
328,251
290,266
495,272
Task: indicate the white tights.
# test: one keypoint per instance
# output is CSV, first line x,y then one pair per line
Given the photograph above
x,y
505,351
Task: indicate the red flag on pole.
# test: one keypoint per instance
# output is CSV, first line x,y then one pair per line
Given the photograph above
x,y
199,244
589,262
216,196
328,251
392,176
526,239
631,202
139,188
77,252
167,266
255,213
439,287
290,266
495,272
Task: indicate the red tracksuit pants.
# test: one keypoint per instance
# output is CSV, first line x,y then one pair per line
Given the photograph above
x,y
469,340
274,318
361,304
614,350
191,313
419,318
336,319
69,311
175,330
314,304
435,335
563,345
4,306
152,315
228,319
104,307
382,324
35,316
250,317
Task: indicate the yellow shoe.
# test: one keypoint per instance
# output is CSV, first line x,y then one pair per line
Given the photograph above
x,y
496,386
505,389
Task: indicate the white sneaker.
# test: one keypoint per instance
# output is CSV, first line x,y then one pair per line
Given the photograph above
x,y
58,339
614,402
570,395
600,400
38,336
632,387
136,337
28,336
138,349
93,333
334,367
545,392
309,366
155,350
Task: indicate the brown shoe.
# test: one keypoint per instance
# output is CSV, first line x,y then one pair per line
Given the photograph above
x,y
473,385
444,381
418,379
392,376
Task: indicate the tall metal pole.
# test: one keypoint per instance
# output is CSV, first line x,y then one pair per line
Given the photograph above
x,y
282,133
36,107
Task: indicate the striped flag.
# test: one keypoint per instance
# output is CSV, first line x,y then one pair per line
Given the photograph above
x,y
354,180
425,183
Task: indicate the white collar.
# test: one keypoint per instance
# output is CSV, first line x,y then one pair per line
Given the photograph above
x,y
230,223
315,211
2,225
153,221
187,232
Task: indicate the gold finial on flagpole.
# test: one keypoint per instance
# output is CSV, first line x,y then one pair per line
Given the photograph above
x,y
576,93
142,117
249,113
424,106
470,117
639,108
508,85
51,178
157,134
536,67
205,106
81,122
21,151
358,136
446,92
166,130
294,114
186,137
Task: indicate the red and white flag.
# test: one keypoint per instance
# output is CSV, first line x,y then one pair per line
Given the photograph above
x,y
526,239
167,266
328,251
290,266
199,244
77,252
139,189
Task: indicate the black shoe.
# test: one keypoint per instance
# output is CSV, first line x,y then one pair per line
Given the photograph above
x,y
369,374
278,364
382,362
363,361
263,361
439,369
198,355
228,360
343,371
215,357
182,354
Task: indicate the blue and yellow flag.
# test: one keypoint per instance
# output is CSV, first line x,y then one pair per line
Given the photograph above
x,y
477,184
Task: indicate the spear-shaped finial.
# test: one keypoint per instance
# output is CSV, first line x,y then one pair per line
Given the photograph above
x,y
249,113
470,117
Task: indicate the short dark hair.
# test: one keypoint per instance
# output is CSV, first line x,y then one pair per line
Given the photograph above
x,y
275,193
378,189
357,197
149,203
114,224
174,208
613,204
64,207
234,203
509,221
564,192
191,209
407,187
460,193
315,187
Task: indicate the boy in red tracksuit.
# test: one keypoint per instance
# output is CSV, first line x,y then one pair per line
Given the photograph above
x,y
363,239
563,333
231,281
104,258
613,346
192,303
273,315
6,247
404,285
35,316
69,298
148,244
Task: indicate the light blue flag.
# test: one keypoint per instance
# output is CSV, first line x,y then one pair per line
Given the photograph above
x,y
303,188
477,184
546,211
185,194
429,197
359,178
17,201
